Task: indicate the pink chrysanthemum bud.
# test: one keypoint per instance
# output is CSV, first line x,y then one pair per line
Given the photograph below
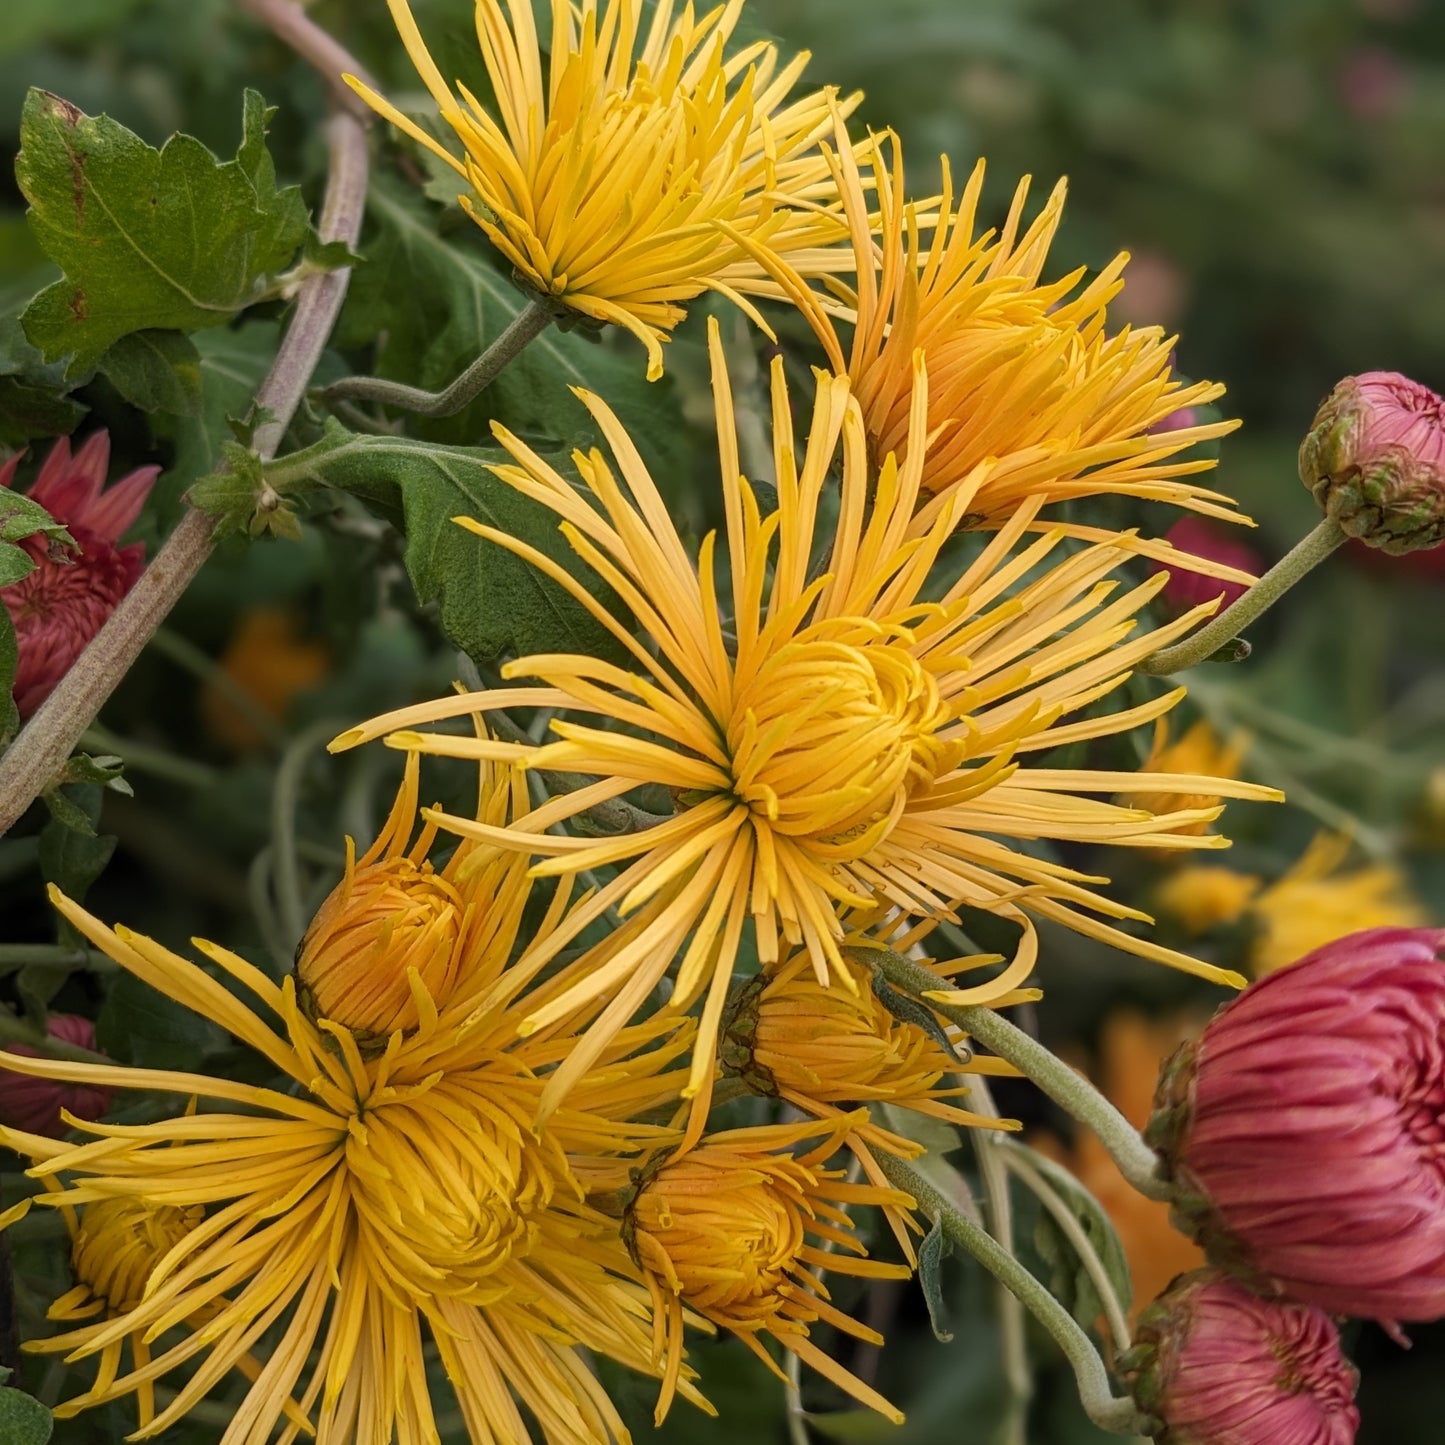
x,y
1375,460
1304,1130
1196,537
1214,1364
34,1105
63,602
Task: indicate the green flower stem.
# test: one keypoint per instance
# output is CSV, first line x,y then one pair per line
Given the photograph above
x,y
1013,1333
529,323
48,739
292,913
15,956
1200,646
1019,1164
1071,1092
1100,1403
142,758
15,1030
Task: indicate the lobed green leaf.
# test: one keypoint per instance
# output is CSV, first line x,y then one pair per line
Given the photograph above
x,y
169,239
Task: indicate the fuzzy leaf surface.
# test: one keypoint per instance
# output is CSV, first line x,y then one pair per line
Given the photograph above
x,y
492,601
169,239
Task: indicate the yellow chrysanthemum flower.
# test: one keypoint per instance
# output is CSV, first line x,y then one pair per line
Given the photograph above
x,y
1200,897
834,733
362,1206
724,1230
1318,901
1022,375
639,170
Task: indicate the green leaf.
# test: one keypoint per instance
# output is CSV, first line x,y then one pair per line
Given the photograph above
x,y
171,239
33,400
1071,1284
156,371
139,1025
21,518
936,1247
23,1420
492,601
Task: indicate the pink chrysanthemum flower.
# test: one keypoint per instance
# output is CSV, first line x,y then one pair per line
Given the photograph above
x,y
1305,1129
64,601
35,1105
1218,1365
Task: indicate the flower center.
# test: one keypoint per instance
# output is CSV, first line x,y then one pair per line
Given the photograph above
x,y
832,735
119,1244
448,1184
383,926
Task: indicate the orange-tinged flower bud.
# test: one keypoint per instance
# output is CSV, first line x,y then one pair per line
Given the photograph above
x,y
1217,1365
823,1045
384,926
735,1231
35,1105
1375,460
117,1247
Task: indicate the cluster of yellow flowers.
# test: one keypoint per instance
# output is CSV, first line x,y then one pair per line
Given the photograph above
x,y
490,1146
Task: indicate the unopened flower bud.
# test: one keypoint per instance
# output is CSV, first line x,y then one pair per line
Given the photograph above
x,y
1304,1131
35,1105
120,1242
1375,460
1215,1364
387,928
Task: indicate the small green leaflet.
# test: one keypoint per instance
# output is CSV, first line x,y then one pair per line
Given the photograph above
x,y
492,601
169,239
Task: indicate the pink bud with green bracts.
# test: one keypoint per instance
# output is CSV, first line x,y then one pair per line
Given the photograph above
x,y
1216,1364
1304,1131
1375,460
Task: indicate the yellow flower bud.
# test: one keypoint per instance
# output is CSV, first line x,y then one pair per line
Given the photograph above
x,y
735,1231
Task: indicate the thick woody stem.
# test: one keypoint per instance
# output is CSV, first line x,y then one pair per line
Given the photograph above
x,y
47,740
289,22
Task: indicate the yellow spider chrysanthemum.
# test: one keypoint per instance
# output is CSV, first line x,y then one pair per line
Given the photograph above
x,y
833,732
362,1207
1199,753
1021,374
636,173
724,1230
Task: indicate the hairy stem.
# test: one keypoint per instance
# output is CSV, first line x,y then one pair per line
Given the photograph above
x,y
289,22
529,323
48,739
1100,1403
1069,1090
1200,646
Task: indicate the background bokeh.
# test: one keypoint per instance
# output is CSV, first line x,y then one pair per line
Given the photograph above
x,y
1275,169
